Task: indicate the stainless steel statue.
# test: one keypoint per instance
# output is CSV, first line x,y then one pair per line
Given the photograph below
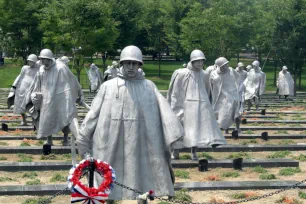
x,y
285,83
224,84
111,72
21,86
242,76
53,95
188,97
255,85
131,126
248,68
95,77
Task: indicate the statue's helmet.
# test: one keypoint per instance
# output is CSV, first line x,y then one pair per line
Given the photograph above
x,y
32,58
46,54
114,63
221,61
197,55
255,63
131,53
284,68
65,59
249,67
240,64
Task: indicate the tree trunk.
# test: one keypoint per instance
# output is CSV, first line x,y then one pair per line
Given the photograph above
x,y
238,57
275,71
79,75
300,78
294,78
104,63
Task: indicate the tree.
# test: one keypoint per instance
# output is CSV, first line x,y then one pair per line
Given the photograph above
x,y
74,24
19,21
219,28
173,11
290,31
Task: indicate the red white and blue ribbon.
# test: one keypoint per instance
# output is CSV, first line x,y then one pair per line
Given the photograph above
x,y
82,194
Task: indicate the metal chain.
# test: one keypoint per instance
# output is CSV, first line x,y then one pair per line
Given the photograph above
x,y
55,195
186,202
231,202
62,191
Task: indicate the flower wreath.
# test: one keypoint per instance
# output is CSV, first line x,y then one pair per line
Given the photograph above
x,y
81,192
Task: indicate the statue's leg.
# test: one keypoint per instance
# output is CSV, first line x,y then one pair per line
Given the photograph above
x,y
194,153
249,104
226,131
238,122
286,96
74,128
49,140
175,154
66,131
257,102
24,119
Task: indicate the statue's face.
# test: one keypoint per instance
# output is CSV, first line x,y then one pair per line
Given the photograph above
x,y
241,68
285,71
224,68
130,68
31,63
45,62
198,64
255,67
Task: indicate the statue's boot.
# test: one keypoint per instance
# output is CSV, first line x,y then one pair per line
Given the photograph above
x,y
257,107
175,154
194,154
238,122
24,120
49,140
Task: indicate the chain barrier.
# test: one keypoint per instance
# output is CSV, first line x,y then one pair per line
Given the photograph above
x,y
186,202
53,196
230,202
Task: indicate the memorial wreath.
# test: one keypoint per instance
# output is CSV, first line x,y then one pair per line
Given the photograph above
x,y
81,192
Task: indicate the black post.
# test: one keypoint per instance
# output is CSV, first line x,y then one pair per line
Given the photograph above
x,y
91,172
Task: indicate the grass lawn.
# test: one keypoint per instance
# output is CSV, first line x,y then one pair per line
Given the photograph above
x,y
10,71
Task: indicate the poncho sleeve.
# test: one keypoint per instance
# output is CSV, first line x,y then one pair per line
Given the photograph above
x,y
262,84
278,79
90,122
176,96
172,129
18,78
206,82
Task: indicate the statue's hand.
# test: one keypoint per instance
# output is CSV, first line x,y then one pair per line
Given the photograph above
x,y
36,98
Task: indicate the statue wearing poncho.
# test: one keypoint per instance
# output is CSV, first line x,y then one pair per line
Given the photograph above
x,y
225,94
95,77
242,76
188,98
255,85
131,126
23,83
285,83
111,72
53,94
